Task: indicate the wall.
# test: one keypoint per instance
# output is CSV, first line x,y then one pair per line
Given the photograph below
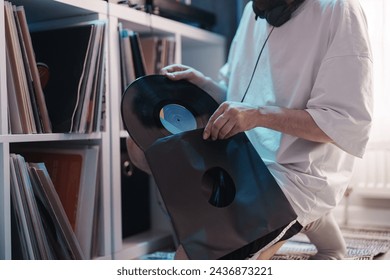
x,y
226,16
369,199
363,212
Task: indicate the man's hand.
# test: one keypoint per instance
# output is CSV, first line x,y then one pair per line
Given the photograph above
x,y
235,117
177,72
231,118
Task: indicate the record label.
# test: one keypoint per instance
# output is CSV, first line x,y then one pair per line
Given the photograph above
x,y
176,118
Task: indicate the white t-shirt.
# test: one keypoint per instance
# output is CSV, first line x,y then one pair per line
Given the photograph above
x,y
319,61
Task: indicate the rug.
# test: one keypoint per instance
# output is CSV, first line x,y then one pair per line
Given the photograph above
x,y
362,244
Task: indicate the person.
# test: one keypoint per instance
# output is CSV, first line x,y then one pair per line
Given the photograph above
x,y
298,82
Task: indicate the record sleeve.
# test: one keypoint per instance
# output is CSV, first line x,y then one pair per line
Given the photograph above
x,y
219,194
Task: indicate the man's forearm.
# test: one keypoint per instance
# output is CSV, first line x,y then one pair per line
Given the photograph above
x,y
297,123
215,89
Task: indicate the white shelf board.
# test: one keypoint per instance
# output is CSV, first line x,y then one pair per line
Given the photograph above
x,y
19,138
144,22
144,243
45,10
124,134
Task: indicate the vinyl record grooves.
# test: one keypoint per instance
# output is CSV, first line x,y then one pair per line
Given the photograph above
x,y
154,107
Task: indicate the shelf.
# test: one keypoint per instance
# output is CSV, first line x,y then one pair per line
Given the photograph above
x,y
124,134
144,243
143,22
57,9
19,138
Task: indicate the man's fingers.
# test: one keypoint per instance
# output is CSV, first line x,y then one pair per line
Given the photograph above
x,y
179,73
218,129
173,69
209,125
226,130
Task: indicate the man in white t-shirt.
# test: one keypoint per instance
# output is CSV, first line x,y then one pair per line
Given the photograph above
x,y
298,82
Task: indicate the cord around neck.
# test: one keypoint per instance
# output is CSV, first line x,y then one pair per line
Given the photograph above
x,y
257,62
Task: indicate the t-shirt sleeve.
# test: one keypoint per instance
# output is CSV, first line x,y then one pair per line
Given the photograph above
x,y
341,101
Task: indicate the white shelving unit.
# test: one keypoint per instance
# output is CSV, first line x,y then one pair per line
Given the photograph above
x,y
195,47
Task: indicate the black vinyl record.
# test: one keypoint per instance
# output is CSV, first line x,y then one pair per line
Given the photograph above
x,y
154,107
